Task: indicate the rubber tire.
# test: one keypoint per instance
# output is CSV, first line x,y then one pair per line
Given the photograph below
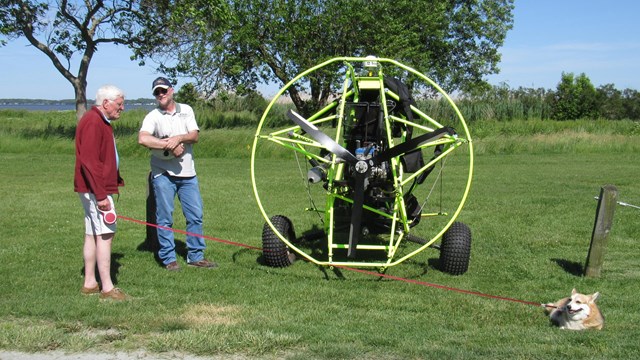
x,y
275,252
455,249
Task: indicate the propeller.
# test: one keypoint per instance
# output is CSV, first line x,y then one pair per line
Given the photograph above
x,y
362,167
322,138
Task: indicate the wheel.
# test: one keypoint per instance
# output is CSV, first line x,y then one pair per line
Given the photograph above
x,y
455,249
275,251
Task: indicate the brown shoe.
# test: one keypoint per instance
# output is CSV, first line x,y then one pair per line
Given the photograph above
x,y
172,266
115,294
204,263
90,291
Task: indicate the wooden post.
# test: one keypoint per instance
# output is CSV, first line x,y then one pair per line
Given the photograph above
x,y
604,220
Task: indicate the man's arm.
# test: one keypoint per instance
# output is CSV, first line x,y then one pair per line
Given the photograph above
x,y
191,137
175,141
173,144
146,139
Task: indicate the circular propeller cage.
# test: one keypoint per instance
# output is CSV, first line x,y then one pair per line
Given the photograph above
x,y
372,177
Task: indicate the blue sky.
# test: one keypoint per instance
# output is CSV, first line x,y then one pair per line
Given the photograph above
x,y
596,37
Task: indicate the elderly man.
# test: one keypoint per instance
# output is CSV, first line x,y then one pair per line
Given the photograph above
x,y
96,178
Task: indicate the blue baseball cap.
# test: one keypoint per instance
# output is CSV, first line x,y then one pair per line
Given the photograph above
x,y
160,82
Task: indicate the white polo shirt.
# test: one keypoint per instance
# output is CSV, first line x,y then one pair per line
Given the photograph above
x,y
162,124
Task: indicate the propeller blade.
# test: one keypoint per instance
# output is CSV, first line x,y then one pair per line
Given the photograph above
x,y
327,142
411,144
356,213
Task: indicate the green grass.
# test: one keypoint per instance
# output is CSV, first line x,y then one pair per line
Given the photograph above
x,y
32,132
531,214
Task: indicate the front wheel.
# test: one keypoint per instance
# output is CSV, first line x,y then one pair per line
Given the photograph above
x,y
275,252
455,249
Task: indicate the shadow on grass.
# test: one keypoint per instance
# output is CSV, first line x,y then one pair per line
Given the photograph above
x,y
115,266
314,243
151,245
572,267
150,242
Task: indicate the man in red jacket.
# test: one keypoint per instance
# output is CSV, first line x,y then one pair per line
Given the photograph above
x,y
96,178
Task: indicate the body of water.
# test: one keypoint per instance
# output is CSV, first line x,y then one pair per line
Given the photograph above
x,y
66,107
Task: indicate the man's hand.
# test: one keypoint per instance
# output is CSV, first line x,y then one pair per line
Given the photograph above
x,y
178,150
173,142
104,204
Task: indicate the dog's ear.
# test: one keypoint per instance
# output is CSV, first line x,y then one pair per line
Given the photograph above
x,y
595,296
574,291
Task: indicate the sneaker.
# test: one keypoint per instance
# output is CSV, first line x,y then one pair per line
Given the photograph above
x,y
204,263
115,294
90,291
172,266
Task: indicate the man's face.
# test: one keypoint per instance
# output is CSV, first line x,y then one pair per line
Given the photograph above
x,y
163,96
113,108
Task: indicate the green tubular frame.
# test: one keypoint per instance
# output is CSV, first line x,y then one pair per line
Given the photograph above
x,y
288,138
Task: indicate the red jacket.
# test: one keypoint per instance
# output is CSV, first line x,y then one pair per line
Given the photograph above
x,y
96,169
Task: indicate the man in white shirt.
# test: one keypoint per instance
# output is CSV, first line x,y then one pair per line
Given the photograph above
x,y
170,131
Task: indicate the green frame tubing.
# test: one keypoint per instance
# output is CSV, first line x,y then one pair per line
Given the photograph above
x,y
399,216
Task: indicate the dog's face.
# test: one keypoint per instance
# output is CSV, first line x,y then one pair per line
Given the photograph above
x,y
579,306
577,312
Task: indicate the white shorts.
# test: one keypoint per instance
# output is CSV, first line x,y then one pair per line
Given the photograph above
x,y
93,224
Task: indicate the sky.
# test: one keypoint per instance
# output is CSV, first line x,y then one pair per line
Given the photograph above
x,y
596,37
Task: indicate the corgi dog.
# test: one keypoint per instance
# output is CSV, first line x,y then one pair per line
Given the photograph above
x,y
577,312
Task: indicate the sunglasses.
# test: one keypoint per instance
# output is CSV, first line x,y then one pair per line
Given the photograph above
x,y
159,91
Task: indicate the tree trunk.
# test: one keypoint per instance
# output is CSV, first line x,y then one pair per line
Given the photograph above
x,y
81,99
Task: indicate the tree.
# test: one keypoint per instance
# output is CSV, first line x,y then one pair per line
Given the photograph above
x,y
455,42
187,94
610,102
63,29
575,98
67,30
631,103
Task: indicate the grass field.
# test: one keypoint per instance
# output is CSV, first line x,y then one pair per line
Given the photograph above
x,y
531,214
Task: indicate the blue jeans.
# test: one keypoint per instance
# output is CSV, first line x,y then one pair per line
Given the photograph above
x,y
166,187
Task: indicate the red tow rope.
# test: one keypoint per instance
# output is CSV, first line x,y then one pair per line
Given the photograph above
x,y
372,273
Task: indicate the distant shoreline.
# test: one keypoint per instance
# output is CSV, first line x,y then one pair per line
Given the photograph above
x,y
65,105
61,101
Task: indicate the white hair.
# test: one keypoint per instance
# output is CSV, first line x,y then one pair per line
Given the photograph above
x,y
108,92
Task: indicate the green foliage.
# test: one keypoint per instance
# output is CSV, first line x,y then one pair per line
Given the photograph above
x,y
615,104
188,94
228,110
504,104
510,126
574,98
457,41
251,101
228,119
